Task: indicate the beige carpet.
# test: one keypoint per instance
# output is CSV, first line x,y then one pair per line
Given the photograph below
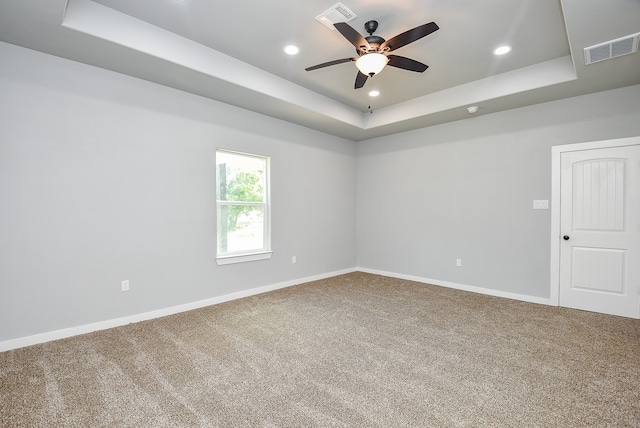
x,y
357,350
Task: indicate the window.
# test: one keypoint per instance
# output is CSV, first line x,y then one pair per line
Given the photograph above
x,y
242,194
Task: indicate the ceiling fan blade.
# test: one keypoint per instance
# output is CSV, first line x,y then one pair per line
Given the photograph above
x,y
353,36
409,36
406,63
327,64
360,80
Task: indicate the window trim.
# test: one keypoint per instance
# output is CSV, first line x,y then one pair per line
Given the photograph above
x,y
241,258
255,254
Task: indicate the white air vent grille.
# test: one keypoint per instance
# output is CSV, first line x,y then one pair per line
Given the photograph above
x,y
611,49
337,13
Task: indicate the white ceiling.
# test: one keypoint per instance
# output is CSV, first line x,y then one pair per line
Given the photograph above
x,y
232,52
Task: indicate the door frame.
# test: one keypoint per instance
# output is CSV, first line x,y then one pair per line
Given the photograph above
x,y
556,153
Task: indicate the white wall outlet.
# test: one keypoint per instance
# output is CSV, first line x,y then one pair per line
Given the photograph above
x,y
125,285
458,262
293,259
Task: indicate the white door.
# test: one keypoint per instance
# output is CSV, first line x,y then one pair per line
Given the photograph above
x,y
600,230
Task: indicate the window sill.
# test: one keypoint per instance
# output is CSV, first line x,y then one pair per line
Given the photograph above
x,y
242,258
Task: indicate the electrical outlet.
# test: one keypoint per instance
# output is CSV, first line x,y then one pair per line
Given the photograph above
x,y
293,259
458,262
125,285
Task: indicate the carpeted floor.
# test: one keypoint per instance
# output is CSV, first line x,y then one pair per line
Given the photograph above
x,y
357,350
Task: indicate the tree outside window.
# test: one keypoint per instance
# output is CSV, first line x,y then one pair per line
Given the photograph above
x,y
242,200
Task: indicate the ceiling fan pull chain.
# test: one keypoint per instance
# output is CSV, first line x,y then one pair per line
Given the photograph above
x,y
370,109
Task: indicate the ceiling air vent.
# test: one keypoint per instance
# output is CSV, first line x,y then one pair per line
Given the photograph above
x,y
611,49
337,13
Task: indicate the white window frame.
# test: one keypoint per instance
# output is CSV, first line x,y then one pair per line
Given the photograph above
x,y
252,254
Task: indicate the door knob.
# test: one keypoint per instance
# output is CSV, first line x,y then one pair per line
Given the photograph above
x,y
565,237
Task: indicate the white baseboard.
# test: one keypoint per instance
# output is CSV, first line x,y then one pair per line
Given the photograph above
x,y
21,342
464,287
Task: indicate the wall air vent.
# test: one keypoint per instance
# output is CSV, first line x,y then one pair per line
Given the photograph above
x,y
611,49
337,13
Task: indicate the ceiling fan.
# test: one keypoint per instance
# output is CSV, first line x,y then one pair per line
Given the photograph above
x,y
373,51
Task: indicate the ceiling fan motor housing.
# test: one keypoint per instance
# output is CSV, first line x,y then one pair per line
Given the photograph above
x,y
374,43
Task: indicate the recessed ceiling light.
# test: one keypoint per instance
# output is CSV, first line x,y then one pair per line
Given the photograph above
x,y
374,93
472,109
291,50
501,50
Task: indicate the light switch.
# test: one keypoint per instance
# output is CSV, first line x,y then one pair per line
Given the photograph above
x,y
541,205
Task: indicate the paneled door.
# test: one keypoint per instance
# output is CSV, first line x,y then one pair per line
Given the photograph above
x,y
600,230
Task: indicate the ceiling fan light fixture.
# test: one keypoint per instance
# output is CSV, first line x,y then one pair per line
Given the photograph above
x,y
371,63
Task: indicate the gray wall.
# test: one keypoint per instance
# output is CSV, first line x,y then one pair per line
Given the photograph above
x,y
466,189
104,177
